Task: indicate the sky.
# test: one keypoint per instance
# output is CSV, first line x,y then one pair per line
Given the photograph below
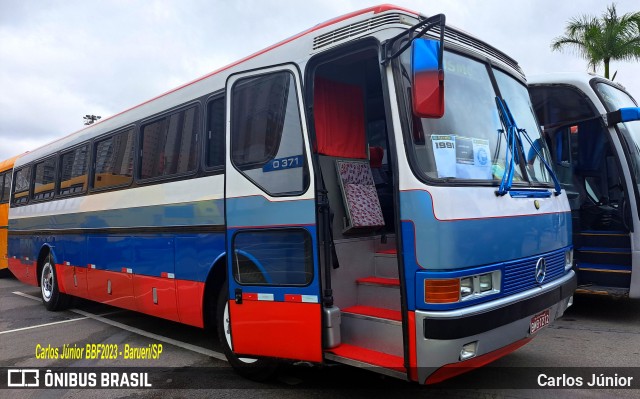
x,y
61,60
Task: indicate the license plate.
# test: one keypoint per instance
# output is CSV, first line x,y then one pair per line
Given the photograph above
x,y
539,321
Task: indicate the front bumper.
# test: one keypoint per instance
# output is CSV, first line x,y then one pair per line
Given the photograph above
x,y
499,327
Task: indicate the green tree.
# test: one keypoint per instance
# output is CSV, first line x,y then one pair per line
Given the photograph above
x,y
603,39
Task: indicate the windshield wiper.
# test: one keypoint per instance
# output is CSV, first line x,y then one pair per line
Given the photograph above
x,y
513,140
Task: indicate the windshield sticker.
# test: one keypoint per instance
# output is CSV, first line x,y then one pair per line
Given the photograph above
x,y
462,157
444,152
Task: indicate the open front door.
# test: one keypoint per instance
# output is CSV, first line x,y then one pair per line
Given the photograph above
x,y
273,276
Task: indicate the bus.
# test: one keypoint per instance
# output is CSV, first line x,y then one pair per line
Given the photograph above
x,y
327,199
6,167
591,127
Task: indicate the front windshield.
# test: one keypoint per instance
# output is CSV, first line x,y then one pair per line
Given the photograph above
x,y
614,99
469,141
517,96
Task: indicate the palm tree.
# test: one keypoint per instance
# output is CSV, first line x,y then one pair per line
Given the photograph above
x,y
602,40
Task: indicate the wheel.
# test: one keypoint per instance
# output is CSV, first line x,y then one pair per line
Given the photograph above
x,y
52,298
259,369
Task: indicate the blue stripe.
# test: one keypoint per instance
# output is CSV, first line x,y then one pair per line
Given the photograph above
x,y
258,211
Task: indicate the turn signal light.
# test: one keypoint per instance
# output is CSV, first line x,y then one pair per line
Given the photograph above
x,y
442,290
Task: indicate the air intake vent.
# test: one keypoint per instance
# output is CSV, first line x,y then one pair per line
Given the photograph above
x,y
355,30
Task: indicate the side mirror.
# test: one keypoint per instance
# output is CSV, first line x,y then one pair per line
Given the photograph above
x,y
623,115
428,78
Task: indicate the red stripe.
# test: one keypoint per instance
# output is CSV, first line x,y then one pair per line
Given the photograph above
x,y
391,251
413,349
292,298
379,281
374,312
249,296
451,370
370,357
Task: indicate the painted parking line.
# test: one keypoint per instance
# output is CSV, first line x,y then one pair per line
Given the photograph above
x,y
180,344
43,325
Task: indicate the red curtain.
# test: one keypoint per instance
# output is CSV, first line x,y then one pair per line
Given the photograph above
x,y
339,118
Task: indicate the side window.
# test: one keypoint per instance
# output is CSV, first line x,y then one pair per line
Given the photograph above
x,y
266,133
4,192
73,171
44,181
215,133
169,145
114,160
274,257
21,186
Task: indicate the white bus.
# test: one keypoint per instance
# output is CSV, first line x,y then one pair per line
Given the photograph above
x,y
591,125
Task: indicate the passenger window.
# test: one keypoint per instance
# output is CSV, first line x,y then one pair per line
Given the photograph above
x,y
266,133
4,190
273,257
21,187
114,160
169,145
73,171
215,133
45,179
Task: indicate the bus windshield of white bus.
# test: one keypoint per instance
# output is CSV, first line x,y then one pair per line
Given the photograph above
x,y
614,99
469,142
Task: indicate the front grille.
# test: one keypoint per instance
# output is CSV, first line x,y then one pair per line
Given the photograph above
x,y
519,275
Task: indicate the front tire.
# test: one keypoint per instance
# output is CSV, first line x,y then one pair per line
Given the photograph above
x,y
52,298
254,369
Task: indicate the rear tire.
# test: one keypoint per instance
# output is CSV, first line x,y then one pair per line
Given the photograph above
x,y
256,369
52,298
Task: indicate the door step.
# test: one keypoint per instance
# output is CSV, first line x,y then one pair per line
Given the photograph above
x,y
385,263
370,311
379,292
373,328
602,290
379,362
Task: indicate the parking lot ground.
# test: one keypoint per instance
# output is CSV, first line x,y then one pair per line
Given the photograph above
x,y
596,332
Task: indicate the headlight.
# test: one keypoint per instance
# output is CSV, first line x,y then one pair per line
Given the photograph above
x,y
465,288
486,282
568,259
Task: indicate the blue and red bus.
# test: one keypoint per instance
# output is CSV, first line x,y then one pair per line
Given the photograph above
x,y
358,193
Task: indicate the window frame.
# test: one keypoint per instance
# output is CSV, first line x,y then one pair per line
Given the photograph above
x,y
140,136
218,96
3,179
294,73
13,186
61,154
111,135
32,184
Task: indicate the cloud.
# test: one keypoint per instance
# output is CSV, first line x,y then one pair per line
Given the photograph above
x,y
62,60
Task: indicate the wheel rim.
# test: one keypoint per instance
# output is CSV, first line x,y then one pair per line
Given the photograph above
x,y
227,335
47,281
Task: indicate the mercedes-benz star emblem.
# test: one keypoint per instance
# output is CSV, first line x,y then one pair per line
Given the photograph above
x,y
541,270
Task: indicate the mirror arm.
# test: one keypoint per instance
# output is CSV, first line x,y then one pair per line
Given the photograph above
x,y
427,24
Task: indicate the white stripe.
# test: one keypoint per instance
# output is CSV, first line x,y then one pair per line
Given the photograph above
x,y
180,344
42,325
265,297
310,298
178,192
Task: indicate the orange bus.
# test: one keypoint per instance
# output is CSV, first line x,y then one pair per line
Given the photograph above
x,y
6,167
